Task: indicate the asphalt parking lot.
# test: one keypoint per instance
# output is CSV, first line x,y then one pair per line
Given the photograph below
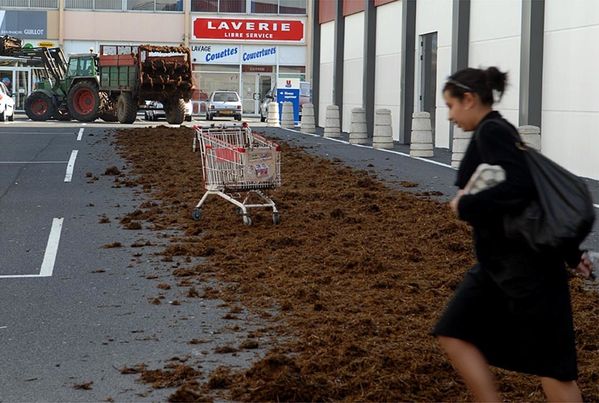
x,y
73,311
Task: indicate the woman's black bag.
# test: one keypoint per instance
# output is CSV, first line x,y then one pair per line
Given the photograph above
x,y
564,213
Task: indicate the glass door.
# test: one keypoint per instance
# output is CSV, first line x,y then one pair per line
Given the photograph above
x,y
263,85
247,97
20,89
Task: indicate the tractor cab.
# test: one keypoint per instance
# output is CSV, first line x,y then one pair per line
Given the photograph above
x,y
81,66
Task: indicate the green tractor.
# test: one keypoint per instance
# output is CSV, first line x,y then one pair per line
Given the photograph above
x,y
75,95
112,85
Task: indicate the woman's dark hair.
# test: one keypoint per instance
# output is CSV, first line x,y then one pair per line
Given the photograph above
x,y
481,82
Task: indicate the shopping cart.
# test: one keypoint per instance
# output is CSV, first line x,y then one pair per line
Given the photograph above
x,y
238,165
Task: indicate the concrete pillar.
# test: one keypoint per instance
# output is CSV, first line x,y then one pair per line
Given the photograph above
x,y
287,118
383,134
273,115
332,125
531,135
422,135
359,130
308,123
461,139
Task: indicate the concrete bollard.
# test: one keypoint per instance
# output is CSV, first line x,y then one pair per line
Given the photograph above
x,y
531,135
273,115
358,134
383,133
461,139
287,118
332,126
308,123
421,144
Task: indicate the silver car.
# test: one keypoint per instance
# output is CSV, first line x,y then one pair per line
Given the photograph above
x,y
223,103
155,110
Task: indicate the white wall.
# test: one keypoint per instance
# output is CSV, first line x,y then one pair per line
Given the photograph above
x,y
353,66
435,16
116,26
327,56
570,123
495,30
388,61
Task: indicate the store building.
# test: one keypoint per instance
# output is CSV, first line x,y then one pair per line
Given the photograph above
x,y
241,45
36,28
246,53
397,54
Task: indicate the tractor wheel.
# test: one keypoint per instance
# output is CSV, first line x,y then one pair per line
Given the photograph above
x,y
175,112
39,106
84,101
62,115
109,116
126,109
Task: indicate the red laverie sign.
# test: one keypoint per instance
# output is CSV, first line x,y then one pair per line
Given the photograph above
x,y
248,29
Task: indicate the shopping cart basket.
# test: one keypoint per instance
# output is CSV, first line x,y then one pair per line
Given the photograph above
x,y
236,165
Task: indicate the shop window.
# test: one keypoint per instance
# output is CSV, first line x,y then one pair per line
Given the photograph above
x,y
79,4
14,3
108,4
43,3
292,69
265,6
209,82
231,6
169,5
140,5
210,6
292,7
219,68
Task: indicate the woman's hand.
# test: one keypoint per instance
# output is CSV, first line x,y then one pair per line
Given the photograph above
x,y
585,267
456,200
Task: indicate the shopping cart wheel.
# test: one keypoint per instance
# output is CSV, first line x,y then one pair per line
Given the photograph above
x,y
247,220
276,218
196,214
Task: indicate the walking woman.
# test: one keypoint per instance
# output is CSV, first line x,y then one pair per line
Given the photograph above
x,y
512,310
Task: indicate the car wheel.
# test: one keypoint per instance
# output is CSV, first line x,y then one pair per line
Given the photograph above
x,y
262,118
2,117
11,118
238,118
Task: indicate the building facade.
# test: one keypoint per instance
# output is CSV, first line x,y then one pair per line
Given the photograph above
x,y
241,45
397,54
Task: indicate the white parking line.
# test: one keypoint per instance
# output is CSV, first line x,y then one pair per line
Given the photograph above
x,y
71,166
32,162
47,267
380,149
80,134
51,248
20,133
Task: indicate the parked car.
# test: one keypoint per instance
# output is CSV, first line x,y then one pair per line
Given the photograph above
x,y
223,103
155,111
7,104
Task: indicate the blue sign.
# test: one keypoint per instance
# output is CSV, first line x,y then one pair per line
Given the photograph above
x,y
288,91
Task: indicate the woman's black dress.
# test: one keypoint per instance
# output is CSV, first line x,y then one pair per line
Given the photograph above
x,y
514,305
